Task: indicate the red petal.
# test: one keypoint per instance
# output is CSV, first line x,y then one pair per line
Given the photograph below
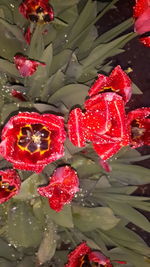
x,y
25,66
140,7
75,127
105,151
98,85
118,81
18,95
75,257
142,24
145,41
63,185
23,159
9,184
139,113
29,7
96,123
96,256
27,35
105,165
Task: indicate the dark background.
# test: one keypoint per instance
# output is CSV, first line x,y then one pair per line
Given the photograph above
x,y
136,56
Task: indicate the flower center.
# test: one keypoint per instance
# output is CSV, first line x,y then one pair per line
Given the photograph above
x,y
136,131
34,138
39,15
6,187
109,89
86,263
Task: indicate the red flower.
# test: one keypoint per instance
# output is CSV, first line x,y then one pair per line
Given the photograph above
x,y
84,256
142,20
31,140
63,185
37,10
139,127
103,123
118,82
9,184
25,66
18,95
27,35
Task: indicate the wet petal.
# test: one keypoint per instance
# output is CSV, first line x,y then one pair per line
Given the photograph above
x,y
76,127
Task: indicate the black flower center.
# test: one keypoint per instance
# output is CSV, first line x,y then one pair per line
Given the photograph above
x,y
136,130
5,187
34,138
86,263
39,15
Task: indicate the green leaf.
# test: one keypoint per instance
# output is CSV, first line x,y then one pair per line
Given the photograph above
x,y
47,57
6,263
27,261
60,60
103,51
23,229
29,187
141,205
8,252
129,255
63,218
7,109
48,245
65,94
84,19
59,6
129,174
59,22
88,219
9,68
13,29
136,90
128,239
73,69
126,211
55,82
113,33
36,47
85,167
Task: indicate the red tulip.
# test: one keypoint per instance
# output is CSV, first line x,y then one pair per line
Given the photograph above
x,y
25,66
84,256
37,10
118,82
9,184
139,126
103,123
31,141
142,20
62,187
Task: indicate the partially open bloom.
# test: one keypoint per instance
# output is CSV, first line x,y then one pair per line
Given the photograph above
x,y
103,123
118,82
9,184
62,187
83,256
37,10
18,95
25,66
142,20
139,126
31,141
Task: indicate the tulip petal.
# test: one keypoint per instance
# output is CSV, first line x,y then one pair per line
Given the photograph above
x,y
76,128
62,187
118,81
